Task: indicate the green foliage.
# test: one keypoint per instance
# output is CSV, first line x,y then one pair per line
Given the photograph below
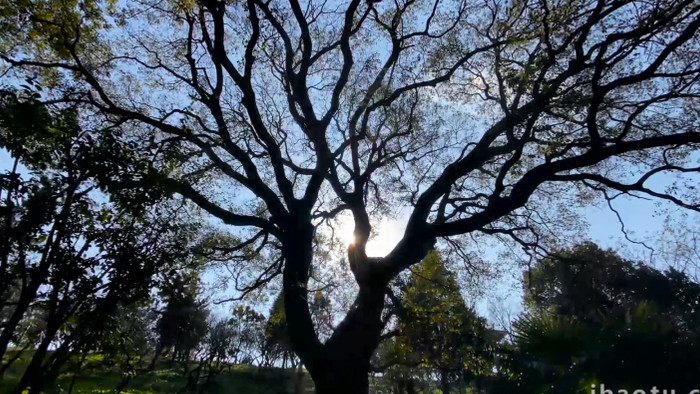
x,y
71,259
437,332
183,322
595,317
277,342
249,333
129,336
52,27
28,130
96,377
221,340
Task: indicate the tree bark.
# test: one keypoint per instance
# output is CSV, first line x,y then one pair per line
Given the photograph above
x,y
32,376
348,380
342,364
156,356
38,275
445,382
299,379
410,386
42,372
18,313
345,363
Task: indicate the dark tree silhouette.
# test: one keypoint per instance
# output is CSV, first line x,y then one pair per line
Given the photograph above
x,y
480,115
593,317
69,260
182,325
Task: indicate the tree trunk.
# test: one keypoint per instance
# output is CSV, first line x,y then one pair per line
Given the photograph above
x,y
405,386
53,368
445,382
410,386
156,356
299,379
345,365
19,353
342,364
42,373
398,387
28,295
342,378
18,313
32,376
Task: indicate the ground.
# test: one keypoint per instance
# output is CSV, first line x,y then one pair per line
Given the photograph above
x,y
166,378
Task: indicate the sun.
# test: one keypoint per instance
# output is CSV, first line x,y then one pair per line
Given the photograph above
x,y
386,234
346,230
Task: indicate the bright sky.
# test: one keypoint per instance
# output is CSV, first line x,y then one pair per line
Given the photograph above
x,y
387,233
643,220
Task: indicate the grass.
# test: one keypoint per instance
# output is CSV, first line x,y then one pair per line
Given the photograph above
x,y
165,378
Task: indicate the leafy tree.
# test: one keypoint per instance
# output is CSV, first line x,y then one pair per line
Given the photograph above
x,y
586,282
594,317
436,330
218,346
221,340
486,118
277,343
70,257
183,321
135,329
583,282
249,337
126,342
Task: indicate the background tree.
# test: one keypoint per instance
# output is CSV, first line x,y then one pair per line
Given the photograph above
x,y
221,341
277,343
128,341
487,119
249,334
183,321
594,317
70,256
436,330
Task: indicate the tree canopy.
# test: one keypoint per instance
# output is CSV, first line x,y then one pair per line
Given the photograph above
x,y
482,118
71,258
436,331
593,317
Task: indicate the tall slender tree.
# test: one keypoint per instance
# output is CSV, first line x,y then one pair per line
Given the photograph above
x,y
436,331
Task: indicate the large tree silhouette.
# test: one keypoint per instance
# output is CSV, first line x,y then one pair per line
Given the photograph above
x,y
276,117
